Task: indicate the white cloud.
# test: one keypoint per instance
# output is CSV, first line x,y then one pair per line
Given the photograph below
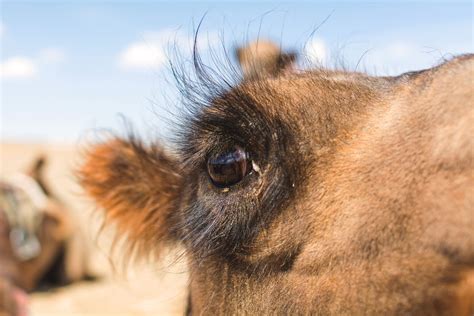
x,y
18,67
151,52
317,51
142,55
51,55
397,57
400,49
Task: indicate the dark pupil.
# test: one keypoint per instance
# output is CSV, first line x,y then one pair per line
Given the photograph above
x,y
229,168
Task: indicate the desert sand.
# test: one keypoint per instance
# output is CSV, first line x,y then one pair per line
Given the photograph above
x,y
153,288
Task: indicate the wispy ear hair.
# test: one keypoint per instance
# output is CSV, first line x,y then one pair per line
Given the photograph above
x,y
137,185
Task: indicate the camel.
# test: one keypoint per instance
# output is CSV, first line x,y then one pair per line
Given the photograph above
x,y
317,191
40,246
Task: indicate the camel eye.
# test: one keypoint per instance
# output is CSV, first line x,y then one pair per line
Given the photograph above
x,y
229,168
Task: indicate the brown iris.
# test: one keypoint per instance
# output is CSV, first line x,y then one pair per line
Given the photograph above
x,y
229,168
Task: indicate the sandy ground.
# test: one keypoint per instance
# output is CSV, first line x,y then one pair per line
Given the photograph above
x,y
138,289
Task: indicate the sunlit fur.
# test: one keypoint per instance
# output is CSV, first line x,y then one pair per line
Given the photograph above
x,y
362,204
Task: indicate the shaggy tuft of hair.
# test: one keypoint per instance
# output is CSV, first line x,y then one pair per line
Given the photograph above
x,y
137,186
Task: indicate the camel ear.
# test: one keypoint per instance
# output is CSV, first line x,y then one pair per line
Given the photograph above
x,y
264,58
38,165
137,186
36,171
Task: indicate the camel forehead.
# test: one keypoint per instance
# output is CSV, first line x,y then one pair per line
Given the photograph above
x,y
290,90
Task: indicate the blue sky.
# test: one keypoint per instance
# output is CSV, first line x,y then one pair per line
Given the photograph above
x,y
69,67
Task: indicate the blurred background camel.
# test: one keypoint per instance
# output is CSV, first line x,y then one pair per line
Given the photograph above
x,y
41,245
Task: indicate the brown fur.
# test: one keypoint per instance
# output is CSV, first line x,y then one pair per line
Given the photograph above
x,y
363,203
140,189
